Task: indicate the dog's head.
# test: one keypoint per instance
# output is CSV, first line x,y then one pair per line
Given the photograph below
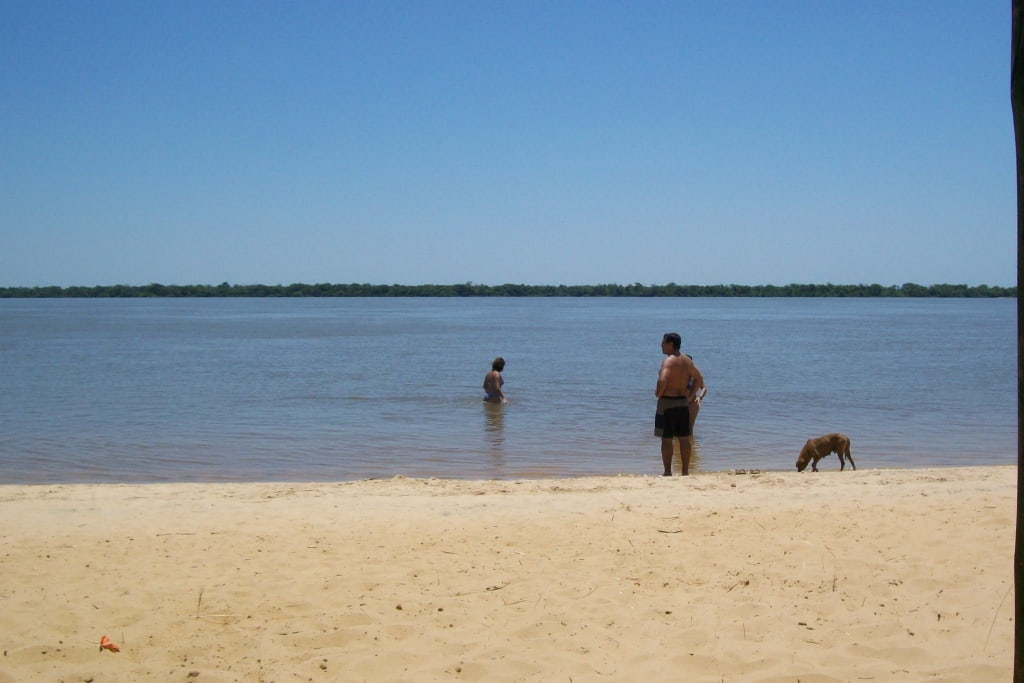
x,y
806,453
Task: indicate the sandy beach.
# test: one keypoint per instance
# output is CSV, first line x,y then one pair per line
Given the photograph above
x,y
884,575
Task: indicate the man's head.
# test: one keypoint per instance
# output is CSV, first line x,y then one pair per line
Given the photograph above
x,y
498,364
672,340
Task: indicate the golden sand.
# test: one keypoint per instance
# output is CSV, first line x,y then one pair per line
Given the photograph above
x,y
867,575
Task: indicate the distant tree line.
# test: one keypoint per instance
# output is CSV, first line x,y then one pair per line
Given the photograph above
x,y
508,290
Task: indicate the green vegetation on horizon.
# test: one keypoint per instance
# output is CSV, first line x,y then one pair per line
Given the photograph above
x,y
508,290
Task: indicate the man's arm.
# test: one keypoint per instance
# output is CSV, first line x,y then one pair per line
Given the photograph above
x,y
698,383
698,378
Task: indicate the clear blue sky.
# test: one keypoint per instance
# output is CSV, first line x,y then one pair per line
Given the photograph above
x,y
538,142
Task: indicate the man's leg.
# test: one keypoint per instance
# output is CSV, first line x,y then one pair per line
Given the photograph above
x,y
666,455
684,454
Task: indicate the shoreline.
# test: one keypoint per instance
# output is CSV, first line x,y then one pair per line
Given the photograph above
x,y
828,465
890,574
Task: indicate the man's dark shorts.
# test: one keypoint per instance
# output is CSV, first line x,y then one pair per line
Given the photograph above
x,y
673,417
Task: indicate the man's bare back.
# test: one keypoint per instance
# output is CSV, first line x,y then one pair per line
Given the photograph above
x,y
678,375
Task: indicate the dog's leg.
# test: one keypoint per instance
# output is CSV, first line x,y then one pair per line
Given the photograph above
x,y
848,455
814,464
842,461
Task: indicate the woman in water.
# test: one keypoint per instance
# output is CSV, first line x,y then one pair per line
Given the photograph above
x,y
493,382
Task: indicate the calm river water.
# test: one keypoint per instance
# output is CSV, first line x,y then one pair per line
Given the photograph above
x,y
133,390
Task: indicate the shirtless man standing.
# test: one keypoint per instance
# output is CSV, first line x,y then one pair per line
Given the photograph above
x,y
679,385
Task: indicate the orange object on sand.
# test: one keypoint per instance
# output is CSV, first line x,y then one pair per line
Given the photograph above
x,y
107,644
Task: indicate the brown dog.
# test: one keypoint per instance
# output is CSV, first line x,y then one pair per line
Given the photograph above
x,y
816,449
